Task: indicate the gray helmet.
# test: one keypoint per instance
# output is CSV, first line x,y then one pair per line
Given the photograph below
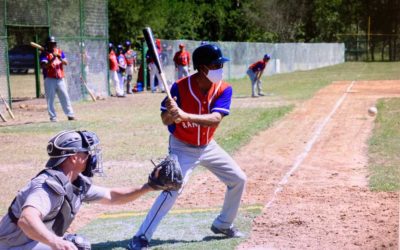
x,y
67,143
208,54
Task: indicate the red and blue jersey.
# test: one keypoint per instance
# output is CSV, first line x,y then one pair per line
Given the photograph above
x,y
191,100
121,63
130,57
55,68
258,66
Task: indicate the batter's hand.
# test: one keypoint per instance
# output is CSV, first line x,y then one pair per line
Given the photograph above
x,y
55,54
176,113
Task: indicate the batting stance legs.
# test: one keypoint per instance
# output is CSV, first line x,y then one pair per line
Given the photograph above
x,y
215,159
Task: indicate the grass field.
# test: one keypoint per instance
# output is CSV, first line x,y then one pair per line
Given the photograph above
x,y
134,133
190,230
384,147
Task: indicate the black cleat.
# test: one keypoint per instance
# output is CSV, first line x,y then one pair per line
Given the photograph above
x,y
232,232
138,243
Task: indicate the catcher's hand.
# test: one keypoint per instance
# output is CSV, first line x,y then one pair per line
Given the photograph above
x,y
79,241
166,175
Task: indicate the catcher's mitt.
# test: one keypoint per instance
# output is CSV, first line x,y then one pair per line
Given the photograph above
x,y
166,175
79,241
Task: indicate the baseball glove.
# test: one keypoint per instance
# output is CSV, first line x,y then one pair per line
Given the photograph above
x,y
79,241
166,175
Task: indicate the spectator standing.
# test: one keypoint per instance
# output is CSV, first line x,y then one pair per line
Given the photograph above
x,y
182,61
113,62
121,68
52,61
153,69
130,56
255,72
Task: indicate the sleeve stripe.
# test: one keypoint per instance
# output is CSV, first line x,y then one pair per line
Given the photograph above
x,y
221,109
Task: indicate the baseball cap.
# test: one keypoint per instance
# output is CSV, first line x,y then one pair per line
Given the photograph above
x,y
267,56
181,45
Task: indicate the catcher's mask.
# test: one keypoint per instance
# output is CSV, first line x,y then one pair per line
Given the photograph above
x,y
67,143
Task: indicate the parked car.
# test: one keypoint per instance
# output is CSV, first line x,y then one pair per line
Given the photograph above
x,y
21,58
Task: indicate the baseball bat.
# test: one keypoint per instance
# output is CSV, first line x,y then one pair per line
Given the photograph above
x,y
8,108
2,117
148,36
38,46
88,90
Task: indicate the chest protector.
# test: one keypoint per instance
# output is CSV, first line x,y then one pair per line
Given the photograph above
x,y
72,194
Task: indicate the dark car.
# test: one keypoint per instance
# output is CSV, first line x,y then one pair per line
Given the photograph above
x,y
21,59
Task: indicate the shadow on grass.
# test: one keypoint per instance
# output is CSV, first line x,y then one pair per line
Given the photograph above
x,y
153,243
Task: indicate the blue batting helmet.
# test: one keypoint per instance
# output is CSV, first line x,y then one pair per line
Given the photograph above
x,y
208,54
267,56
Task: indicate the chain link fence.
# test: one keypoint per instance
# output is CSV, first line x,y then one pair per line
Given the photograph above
x,y
285,57
81,31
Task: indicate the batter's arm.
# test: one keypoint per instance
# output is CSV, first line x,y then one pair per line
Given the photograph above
x,y
207,120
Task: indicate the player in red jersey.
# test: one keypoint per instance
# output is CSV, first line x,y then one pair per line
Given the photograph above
x,y
130,56
255,72
182,61
200,103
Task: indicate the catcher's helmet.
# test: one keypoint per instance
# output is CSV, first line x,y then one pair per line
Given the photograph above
x,y
51,39
267,57
67,143
208,54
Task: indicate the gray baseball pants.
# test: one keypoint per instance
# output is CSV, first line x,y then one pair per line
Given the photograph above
x,y
254,83
55,86
215,159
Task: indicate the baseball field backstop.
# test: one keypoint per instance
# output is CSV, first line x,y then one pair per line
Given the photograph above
x,y
81,31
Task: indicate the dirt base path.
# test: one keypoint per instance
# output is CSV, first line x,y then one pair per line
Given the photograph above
x,y
309,171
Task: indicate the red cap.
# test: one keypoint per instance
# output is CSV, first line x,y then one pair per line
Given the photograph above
x,y
181,45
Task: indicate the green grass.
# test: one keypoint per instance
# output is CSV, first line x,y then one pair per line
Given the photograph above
x,y
232,136
178,230
133,132
384,147
302,85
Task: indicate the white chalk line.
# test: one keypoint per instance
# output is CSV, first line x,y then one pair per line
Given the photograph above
x,y
300,158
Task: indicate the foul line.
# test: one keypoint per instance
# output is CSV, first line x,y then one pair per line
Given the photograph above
x,y
300,158
175,211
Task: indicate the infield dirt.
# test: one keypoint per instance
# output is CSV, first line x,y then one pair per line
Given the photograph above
x,y
325,203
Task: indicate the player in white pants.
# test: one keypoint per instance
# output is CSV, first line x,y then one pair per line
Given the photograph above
x,y
155,73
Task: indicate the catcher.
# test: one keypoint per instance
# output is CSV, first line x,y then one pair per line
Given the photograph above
x,y
42,211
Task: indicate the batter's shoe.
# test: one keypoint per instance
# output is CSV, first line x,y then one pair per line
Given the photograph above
x,y
231,232
138,243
